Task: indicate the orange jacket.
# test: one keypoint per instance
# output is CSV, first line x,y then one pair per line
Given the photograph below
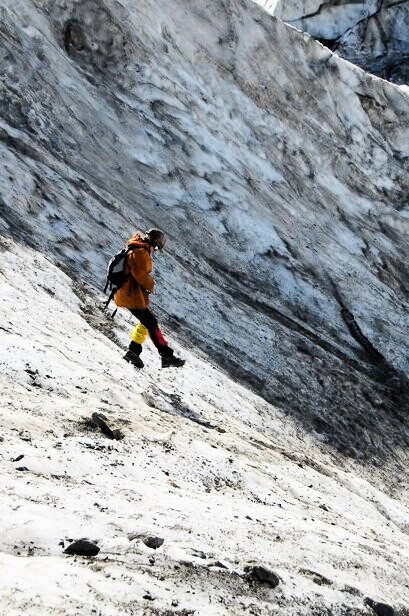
x,y
134,293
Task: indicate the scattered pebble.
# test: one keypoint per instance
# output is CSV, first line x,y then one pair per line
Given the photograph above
x,y
20,457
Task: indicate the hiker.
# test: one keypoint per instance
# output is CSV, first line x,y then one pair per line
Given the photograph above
x,y
134,294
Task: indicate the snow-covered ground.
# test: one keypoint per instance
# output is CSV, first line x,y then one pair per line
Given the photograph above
x,y
195,467
280,174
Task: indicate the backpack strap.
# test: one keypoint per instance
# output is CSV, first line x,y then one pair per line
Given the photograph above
x,y
111,295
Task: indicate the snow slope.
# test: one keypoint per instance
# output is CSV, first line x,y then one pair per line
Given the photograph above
x,y
223,477
279,172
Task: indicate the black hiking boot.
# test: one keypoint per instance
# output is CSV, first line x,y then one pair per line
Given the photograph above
x,y
168,362
134,359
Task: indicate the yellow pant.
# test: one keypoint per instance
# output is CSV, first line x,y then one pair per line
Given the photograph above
x,y
140,333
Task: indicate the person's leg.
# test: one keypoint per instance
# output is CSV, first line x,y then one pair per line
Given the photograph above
x,y
148,320
133,355
138,337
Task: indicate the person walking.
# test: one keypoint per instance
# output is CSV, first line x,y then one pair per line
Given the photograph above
x,y
134,294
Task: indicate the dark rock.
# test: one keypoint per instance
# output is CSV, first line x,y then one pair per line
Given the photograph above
x,y
32,373
151,541
321,580
199,554
351,590
217,563
261,574
99,420
317,578
380,609
82,547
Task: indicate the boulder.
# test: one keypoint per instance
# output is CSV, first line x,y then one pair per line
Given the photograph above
x,y
262,574
380,609
82,547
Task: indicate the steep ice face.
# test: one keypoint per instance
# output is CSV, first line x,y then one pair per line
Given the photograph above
x,y
279,172
380,43
321,19
373,35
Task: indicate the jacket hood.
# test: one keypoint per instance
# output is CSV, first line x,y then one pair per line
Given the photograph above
x,y
138,241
